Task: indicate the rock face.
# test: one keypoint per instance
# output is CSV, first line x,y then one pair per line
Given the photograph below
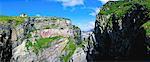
x,y
6,43
39,39
120,37
79,56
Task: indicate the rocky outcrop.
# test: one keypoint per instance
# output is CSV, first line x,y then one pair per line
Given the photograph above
x,y
39,39
79,56
5,42
77,34
50,54
120,37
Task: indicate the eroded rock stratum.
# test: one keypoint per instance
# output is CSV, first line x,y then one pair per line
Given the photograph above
x,y
40,39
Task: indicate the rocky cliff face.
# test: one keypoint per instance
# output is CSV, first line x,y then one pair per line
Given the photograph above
x,y
39,39
119,32
6,43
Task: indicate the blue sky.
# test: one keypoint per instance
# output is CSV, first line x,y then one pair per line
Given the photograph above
x,y
81,12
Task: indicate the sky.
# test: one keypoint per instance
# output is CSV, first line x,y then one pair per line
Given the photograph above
x,y
81,12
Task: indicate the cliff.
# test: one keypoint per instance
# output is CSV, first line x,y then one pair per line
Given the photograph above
x,y
121,32
38,39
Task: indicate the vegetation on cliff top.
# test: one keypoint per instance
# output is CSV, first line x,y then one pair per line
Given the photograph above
x,y
120,8
18,20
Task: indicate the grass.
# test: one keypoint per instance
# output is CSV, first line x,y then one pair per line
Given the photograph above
x,y
147,28
70,49
113,8
18,20
41,43
121,7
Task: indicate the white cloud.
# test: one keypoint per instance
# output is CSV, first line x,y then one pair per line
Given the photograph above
x,y
105,1
70,3
95,11
86,27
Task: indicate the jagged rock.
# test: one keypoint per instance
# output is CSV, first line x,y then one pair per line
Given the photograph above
x,y
20,53
33,29
120,37
50,54
79,56
6,43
